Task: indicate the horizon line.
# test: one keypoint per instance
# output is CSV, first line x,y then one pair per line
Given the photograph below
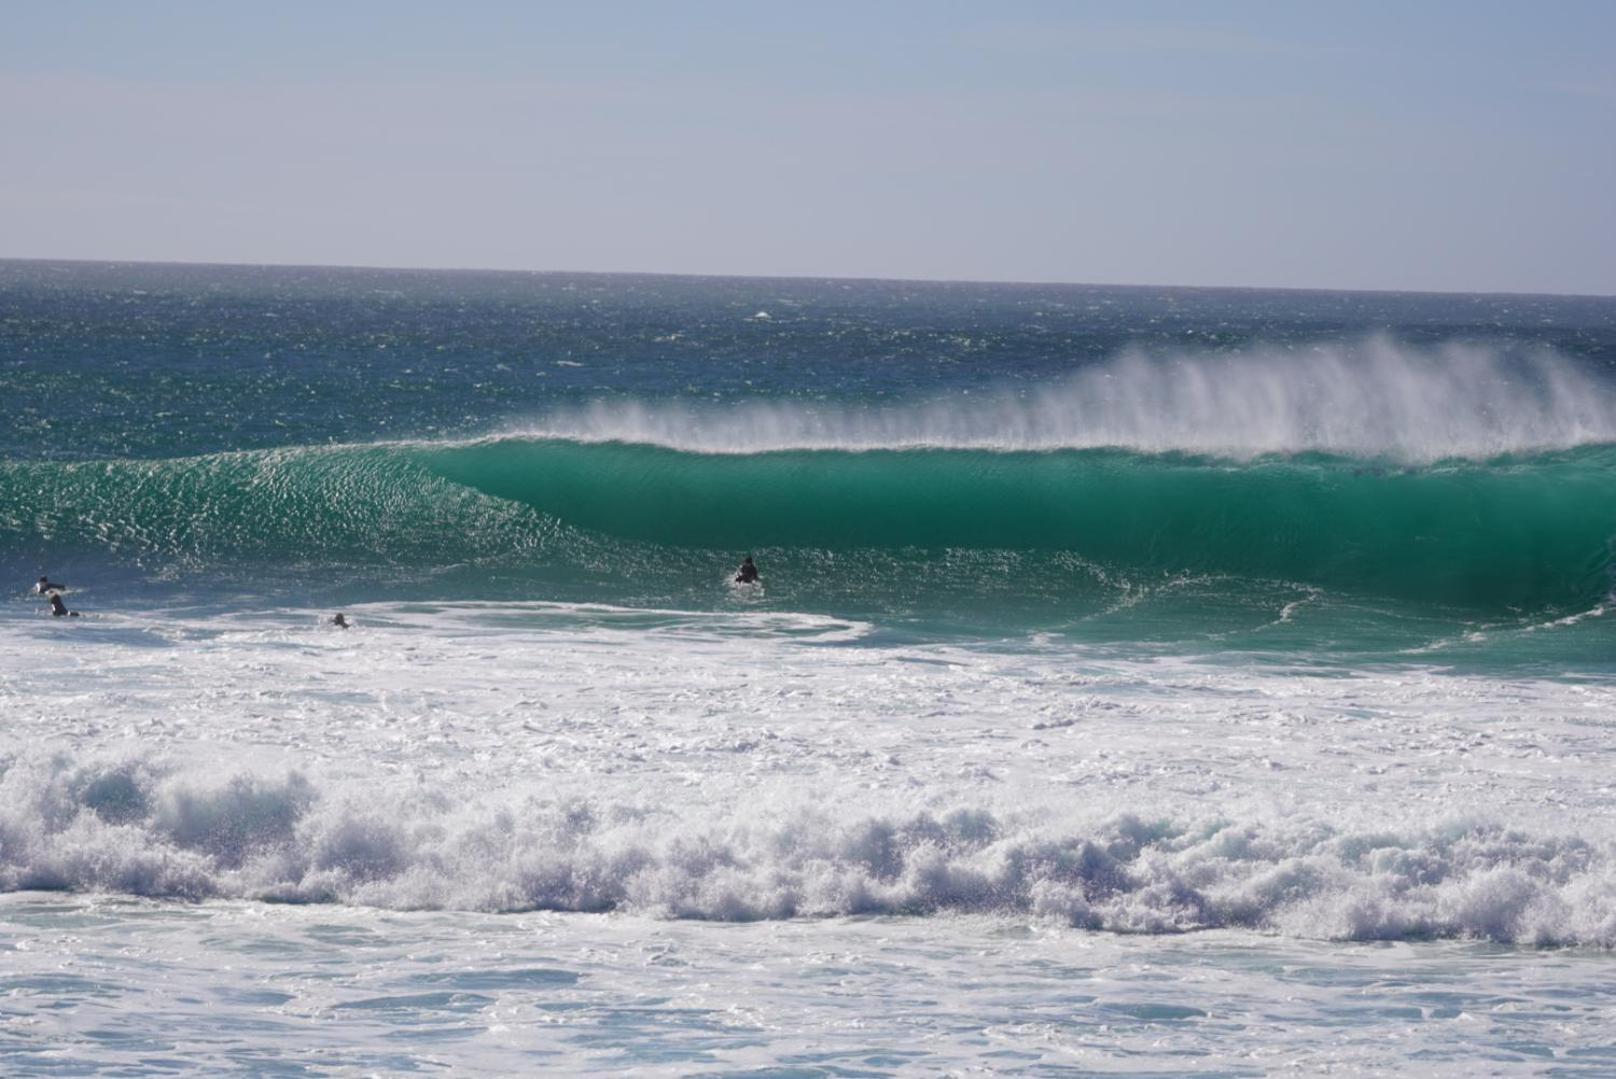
x,y
854,278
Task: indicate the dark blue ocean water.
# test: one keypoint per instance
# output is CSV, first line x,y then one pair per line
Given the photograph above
x,y
1296,472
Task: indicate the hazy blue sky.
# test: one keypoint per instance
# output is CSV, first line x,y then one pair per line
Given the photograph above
x,y
1467,146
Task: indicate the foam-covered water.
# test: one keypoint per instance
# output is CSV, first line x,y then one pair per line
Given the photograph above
x,y
613,773
1140,681
429,770
230,986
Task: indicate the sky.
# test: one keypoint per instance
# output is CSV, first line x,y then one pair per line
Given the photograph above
x,y
1372,145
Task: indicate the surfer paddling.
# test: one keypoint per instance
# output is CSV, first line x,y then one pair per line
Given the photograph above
x,y
748,573
44,585
59,609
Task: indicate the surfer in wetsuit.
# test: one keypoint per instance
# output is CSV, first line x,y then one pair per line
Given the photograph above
x,y
748,573
340,620
44,585
59,609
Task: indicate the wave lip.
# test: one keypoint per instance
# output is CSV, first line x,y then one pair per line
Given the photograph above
x,y
134,827
1375,399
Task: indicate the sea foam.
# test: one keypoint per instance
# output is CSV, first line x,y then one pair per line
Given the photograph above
x,y
1375,398
139,827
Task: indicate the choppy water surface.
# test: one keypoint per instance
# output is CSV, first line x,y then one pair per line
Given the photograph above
x,y
1141,681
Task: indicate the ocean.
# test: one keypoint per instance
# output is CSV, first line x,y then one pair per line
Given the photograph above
x,y
1141,681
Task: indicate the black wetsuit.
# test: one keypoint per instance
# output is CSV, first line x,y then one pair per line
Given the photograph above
x,y
748,573
59,609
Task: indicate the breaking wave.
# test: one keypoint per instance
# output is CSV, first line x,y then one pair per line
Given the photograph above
x,y
1465,477
139,828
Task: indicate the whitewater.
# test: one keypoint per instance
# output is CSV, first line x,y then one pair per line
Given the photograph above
x,y
1141,681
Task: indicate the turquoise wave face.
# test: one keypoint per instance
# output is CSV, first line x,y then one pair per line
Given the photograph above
x,y
875,530
1531,532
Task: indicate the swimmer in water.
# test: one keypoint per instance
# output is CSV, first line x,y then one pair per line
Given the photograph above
x,y
748,573
340,620
59,609
44,585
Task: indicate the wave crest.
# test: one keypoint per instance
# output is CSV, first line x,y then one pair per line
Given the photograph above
x,y
1376,398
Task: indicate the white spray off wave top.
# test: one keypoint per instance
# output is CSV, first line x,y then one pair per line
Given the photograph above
x,y
1376,398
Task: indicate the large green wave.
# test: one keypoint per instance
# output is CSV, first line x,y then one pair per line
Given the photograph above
x,y
1528,532
1532,531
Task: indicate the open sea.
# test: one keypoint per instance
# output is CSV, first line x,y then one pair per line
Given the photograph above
x,y
1142,681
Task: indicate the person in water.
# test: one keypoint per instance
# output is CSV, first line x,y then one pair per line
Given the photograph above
x,y
59,609
44,585
748,573
340,620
